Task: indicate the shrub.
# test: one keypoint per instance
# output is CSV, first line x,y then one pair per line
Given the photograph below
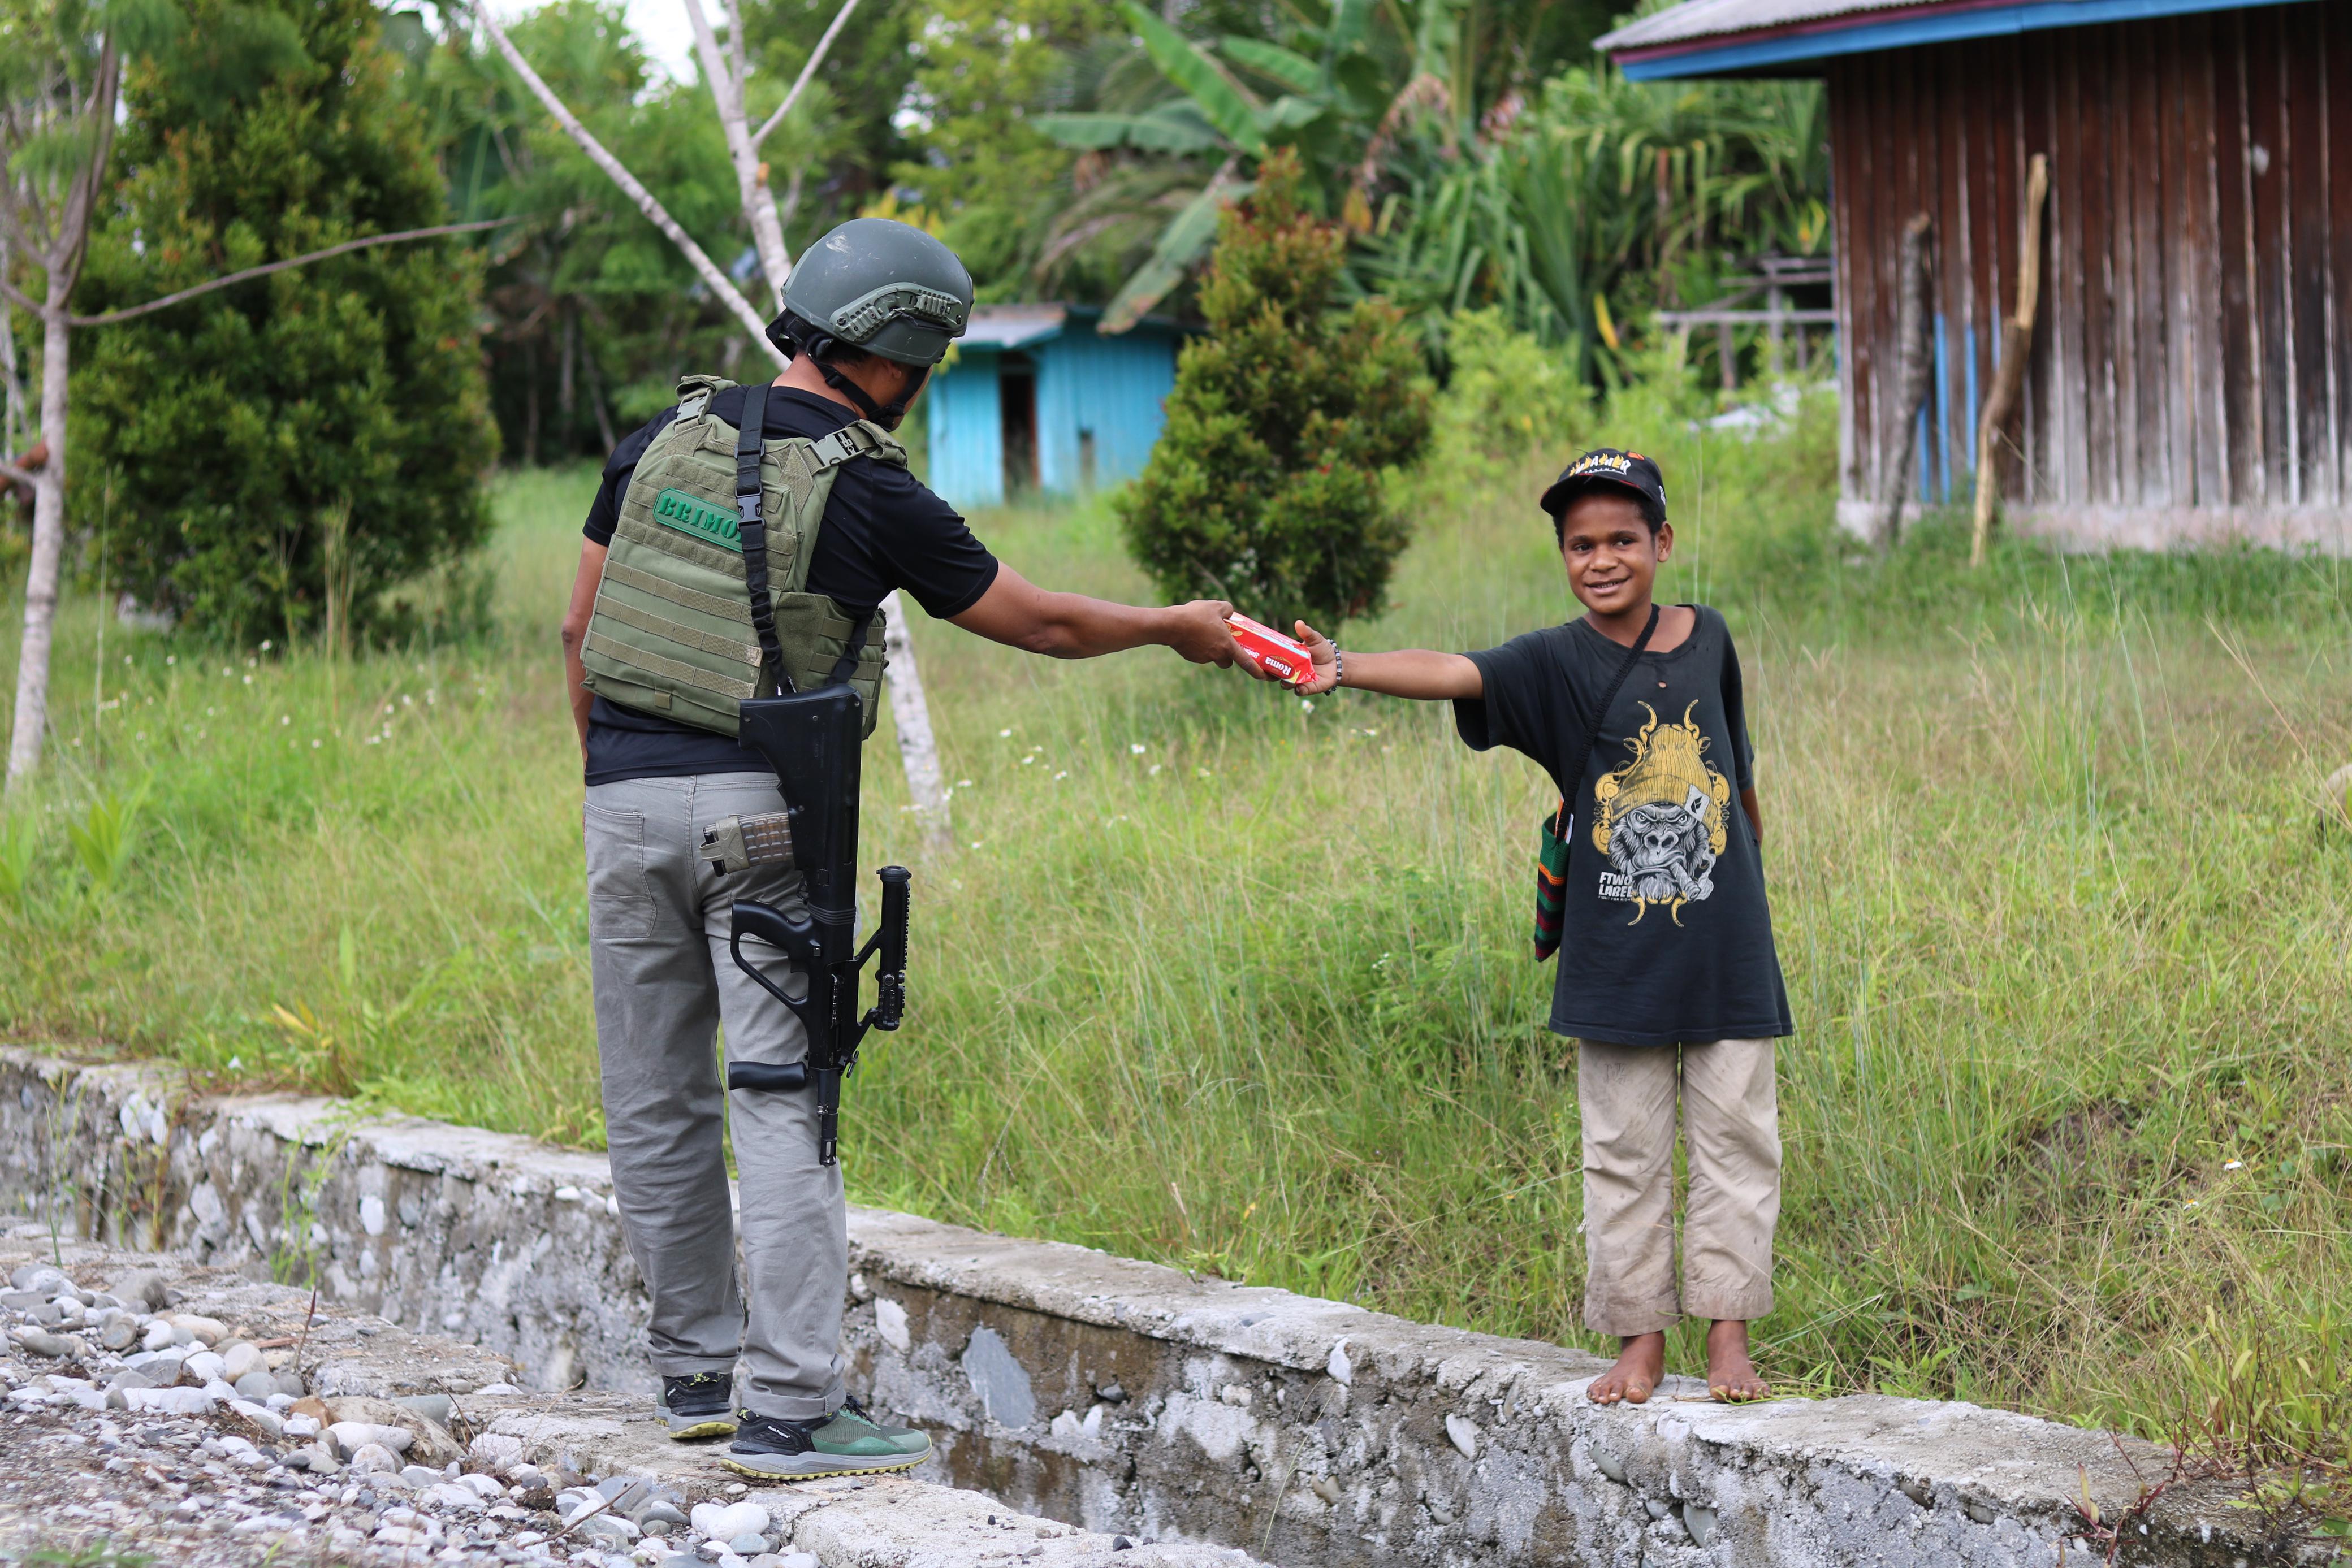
x,y
1268,487
1508,398
328,423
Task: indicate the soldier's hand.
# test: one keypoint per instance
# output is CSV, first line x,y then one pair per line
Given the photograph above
x,y
1198,632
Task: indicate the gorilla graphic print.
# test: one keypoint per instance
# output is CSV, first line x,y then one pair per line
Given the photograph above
x,y
1661,819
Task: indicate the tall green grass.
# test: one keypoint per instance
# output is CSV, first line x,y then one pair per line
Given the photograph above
x,y
1223,978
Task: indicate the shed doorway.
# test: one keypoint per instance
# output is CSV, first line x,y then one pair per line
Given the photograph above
x,y
1016,393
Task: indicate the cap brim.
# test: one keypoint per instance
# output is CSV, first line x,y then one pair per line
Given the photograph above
x,y
1556,499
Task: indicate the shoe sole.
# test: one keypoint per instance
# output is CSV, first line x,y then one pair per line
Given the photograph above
x,y
821,1467
683,1430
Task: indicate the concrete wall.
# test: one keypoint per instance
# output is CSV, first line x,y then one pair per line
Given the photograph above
x,y
1098,1390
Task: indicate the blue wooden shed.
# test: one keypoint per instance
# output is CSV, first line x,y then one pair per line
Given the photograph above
x,y
1038,400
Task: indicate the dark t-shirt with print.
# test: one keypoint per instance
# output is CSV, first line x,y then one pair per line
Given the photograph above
x,y
882,529
1666,936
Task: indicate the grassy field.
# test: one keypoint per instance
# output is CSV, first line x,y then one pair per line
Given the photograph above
x,y
1218,977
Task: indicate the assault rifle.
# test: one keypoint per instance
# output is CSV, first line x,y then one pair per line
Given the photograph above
x,y
811,738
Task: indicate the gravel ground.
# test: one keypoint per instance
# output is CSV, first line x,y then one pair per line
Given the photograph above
x,y
158,1410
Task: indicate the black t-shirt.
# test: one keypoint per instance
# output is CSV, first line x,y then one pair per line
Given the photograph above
x,y
882,529
1665,937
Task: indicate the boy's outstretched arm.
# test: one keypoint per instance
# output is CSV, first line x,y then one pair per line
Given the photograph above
x,y
1407,673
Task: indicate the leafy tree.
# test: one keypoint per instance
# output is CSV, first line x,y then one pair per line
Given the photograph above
x,y
314,437
1267,487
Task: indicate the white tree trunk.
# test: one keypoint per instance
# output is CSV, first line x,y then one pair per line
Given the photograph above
x,y
32,719
918,751
717,281
726,78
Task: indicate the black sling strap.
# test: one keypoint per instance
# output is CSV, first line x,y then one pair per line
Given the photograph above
x,y
750,440
1575,780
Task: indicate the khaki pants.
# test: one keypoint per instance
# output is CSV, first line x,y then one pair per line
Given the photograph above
x,y
1731,1131
659,920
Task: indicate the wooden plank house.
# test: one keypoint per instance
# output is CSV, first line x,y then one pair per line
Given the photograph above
x,y
2191,370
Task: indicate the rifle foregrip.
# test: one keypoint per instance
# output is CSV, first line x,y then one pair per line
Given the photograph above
x,y
890,980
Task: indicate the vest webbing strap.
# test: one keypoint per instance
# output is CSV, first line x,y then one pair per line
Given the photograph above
x,y
750,442
669,541
677,670
669,631
685,597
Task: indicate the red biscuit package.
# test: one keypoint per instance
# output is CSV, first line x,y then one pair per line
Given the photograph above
x,y
1270,651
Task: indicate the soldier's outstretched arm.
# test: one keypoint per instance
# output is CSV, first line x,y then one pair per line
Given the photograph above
x,y
1020,614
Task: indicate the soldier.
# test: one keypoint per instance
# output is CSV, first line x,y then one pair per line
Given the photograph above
x,y
658,653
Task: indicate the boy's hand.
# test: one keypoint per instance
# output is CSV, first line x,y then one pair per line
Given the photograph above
x,y
1326,660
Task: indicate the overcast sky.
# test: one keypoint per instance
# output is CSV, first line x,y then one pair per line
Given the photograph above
x,y
660,24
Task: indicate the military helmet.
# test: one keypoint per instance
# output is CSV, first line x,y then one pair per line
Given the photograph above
x,y
881,285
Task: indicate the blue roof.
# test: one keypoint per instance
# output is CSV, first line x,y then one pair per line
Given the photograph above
x,y
1719,37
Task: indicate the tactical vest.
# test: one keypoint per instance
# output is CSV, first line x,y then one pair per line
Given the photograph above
x,y
674,631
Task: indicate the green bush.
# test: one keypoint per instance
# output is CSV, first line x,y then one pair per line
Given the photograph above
x,y
1507,399
318,434
1269,486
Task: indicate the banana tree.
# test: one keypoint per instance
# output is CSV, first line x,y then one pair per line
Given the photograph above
x,y
1223,109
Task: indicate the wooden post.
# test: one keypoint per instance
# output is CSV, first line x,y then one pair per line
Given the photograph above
x,y
1914,372
2016,346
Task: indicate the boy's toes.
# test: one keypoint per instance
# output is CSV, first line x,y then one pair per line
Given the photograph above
x,y
1738,1387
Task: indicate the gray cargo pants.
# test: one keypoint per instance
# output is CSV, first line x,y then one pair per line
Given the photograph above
x,y
657,945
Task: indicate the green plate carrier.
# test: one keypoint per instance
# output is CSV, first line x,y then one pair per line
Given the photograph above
x,y
672,632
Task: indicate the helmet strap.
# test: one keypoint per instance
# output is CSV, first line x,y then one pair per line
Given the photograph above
x,y
886,415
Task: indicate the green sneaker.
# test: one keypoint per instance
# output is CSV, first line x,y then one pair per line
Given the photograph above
x,y
847,1443
697,1406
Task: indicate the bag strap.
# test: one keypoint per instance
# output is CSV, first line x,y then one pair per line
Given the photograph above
x,y
750,440
1567,817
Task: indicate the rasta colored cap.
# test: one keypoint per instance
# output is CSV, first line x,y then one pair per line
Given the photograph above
x,y
1606,465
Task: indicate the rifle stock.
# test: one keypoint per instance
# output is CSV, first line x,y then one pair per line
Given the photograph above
x,y
812,740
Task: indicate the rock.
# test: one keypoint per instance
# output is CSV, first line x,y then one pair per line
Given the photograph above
x,y
495,1452
142,1289
660,1512
41,1341
206,1365
168,1401
255,1386
748,1544
431,1445
1111,1394
433,1407
725,1522
609,1527
1463,1433
450,1494
420,1476
119,1333
316,1409
157,1336
207,1331
353,1436
374,1459
798,1560
289,1383
41,1278
239,1359
483,1487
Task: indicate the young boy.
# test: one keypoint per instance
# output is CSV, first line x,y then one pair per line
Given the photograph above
x,y
1667,976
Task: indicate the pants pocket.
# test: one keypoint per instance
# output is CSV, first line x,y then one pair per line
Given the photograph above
x,y
620,893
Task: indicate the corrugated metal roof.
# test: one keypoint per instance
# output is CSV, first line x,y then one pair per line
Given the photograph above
x,y
1696,19
1704,38
1013,325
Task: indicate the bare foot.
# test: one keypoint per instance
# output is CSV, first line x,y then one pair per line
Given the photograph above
x,y
1730,1375
1634,1375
